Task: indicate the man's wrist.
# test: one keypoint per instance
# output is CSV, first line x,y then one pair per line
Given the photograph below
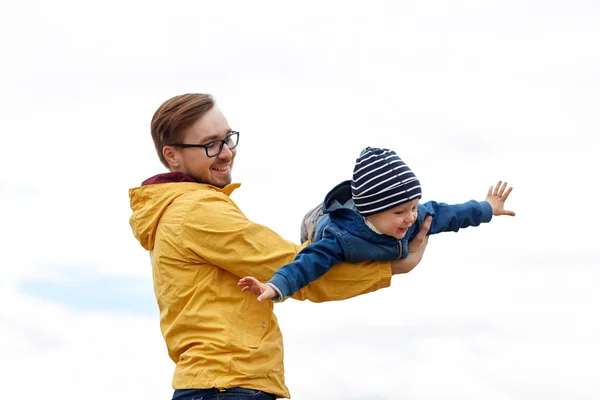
x,y
403,266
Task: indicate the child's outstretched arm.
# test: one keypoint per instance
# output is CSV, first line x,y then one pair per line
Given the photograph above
x,y
262,290
453,217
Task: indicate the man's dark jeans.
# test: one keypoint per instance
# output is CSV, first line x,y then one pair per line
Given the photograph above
x,y
216,394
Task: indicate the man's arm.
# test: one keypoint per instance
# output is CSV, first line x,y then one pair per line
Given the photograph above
x,y
216,232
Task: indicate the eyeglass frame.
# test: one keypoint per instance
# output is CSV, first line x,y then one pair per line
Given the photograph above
x,y
207,145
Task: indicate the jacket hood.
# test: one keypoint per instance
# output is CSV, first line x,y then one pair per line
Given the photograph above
x,y
168,177
339,197
150,201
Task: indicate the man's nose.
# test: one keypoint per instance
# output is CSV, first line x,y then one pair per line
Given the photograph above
x,y
225,152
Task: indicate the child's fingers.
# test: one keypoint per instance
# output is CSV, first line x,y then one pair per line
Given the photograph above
x,y
248,280
496,188
502,189
505,195
509,213
490,190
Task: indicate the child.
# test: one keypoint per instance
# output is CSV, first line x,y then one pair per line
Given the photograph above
x,y
373,217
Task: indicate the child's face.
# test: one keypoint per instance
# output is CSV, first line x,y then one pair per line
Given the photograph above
x,y
396,221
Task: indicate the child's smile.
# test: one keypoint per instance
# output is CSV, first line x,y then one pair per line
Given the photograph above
x,y
396,221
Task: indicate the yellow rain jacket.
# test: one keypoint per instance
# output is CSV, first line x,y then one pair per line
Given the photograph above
x,y
200,245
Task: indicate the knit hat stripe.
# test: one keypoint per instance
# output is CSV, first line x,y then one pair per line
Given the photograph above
x,y
405,185
387,173
381,181
371,166
357,175
389,205
366,157
363,159
393,194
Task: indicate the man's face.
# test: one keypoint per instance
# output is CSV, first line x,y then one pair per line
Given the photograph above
x,y
194,162
396,221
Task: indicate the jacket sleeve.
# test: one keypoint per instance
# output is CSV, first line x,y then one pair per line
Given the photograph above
x,y
216,232
310,264
452,217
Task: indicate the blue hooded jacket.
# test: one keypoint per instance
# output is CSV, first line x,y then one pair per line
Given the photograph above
x,y
343,235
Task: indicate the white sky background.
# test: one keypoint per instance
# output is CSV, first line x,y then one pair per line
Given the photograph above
x,y
466,92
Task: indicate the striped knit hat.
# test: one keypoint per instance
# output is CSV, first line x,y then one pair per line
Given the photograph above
x,y
382,181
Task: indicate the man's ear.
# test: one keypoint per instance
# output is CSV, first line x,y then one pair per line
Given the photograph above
x,y
171,156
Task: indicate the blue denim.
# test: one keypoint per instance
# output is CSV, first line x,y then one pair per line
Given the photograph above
x,y
225,394
342,235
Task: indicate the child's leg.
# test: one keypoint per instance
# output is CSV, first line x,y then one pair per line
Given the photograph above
x,y
308,228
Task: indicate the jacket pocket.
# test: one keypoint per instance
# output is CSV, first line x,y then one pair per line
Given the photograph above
x,y
256,321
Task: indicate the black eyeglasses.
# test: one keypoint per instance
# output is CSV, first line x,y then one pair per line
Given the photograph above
x,y
215,147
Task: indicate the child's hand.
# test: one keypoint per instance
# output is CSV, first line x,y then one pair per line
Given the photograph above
x,y
497,196
262,290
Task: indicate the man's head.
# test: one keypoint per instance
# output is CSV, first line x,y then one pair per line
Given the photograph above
x,y
385,191
192,136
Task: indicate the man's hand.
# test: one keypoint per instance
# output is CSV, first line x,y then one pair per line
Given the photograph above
x,y
416,249
262,290
497,196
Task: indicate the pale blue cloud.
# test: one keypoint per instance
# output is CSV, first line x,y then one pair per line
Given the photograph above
x,y
97,293
11,189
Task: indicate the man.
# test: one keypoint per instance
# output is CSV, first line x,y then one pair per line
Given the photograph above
x,y
223,341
